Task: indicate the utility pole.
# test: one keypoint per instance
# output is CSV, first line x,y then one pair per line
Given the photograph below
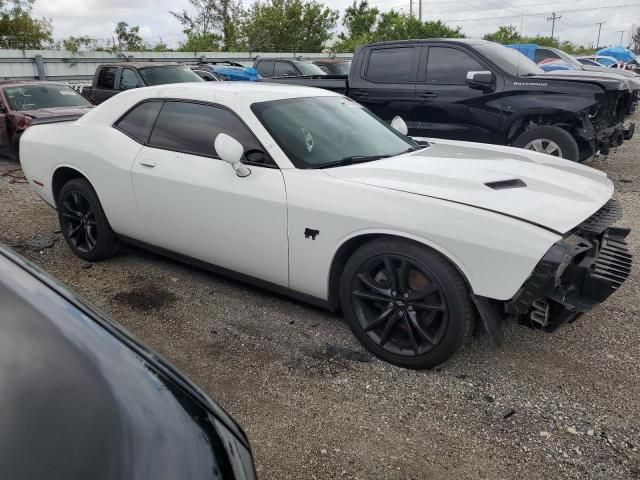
x,y
599,30
621,35
553,19
420,10
411,8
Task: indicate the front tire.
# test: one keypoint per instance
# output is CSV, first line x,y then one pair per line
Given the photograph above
x,y
405,303
550,140
83,223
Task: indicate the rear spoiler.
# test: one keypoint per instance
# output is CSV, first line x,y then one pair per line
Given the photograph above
x,y
58,119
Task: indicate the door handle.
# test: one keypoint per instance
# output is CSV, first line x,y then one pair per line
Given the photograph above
x,y
361,94
428,94
148,163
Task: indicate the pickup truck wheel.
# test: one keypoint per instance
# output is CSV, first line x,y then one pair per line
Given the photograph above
x,y
549,140
406,303
83,222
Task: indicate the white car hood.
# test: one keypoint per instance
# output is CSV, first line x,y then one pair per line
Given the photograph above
x,y
558,195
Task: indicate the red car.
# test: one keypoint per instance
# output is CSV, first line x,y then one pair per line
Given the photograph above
x,y
22,101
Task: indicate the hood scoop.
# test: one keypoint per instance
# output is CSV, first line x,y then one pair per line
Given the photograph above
x,y
505,184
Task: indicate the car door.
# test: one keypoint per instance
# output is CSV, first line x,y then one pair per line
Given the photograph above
x,y
446,106
386,85
192,203
105,85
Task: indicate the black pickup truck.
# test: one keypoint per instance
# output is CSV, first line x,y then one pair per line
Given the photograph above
x,y
113,78
481,91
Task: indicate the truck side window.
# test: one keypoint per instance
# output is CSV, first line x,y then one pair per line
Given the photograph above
x,y
265,69
139,121
390,65
450,66
128,79
284,69
107,78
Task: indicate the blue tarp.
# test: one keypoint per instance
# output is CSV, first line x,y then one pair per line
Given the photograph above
x,y
236,73
527,49
619,52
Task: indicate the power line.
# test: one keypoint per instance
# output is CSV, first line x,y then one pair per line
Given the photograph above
x,y
469,19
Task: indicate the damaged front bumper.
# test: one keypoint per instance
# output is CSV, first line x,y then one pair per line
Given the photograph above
x,y
576,274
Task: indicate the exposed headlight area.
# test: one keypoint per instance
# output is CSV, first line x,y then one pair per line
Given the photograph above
x,y
577,273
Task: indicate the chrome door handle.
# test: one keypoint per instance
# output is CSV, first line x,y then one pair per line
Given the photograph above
x,y
148,163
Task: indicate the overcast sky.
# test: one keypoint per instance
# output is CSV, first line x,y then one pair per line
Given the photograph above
x,y
98,18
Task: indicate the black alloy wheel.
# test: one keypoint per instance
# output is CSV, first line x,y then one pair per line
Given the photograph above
x,y
79,222
400,305
83,223
406,303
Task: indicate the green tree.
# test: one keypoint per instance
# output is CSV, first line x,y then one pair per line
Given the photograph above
x,y
635,39
76,44
214,26
506,35
161,47
289,26
128,38
19,29
358,21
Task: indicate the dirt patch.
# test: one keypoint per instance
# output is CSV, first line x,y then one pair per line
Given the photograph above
x,y
148,297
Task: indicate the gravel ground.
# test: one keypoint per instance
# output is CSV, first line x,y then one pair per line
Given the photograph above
x,y
316,406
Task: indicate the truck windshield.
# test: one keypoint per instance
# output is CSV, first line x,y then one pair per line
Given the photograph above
x,y
35,97
164,74
510,60
317,132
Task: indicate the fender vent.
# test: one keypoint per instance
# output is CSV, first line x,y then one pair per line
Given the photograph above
x,y
504,184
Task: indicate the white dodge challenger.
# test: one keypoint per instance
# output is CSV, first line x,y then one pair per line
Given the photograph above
x,y
305,192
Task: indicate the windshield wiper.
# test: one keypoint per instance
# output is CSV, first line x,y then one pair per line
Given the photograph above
x,y
351,160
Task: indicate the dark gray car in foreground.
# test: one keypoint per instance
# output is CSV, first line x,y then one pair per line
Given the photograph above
x,y
82,399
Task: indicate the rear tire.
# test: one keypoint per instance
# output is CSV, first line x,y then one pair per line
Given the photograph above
x,y
406,303
550,140
83,223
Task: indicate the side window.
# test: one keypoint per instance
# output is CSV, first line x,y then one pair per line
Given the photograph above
x,y
324,68
265,69
543,54
107,78
284,69
139,121
193,128
390,65
450,66
128,79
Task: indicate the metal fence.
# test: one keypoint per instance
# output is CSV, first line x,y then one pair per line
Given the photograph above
x,y
66,66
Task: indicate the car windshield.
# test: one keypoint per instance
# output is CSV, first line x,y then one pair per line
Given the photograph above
x,y
569,59
309,69
510,60
35,97
317,132
162,75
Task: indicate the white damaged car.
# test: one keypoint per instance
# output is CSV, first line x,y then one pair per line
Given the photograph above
x,y
305,192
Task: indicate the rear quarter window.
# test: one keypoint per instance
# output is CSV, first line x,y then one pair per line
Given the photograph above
x,y
390,65
139,122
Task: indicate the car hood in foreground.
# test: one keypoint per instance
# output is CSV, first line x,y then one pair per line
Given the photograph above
x,y
55,112
553,193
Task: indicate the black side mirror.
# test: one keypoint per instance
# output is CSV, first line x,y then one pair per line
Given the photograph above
x,y
481,80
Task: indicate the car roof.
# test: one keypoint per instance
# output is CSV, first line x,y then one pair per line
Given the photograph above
x,y
467,41
140,64
331,60
248,92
